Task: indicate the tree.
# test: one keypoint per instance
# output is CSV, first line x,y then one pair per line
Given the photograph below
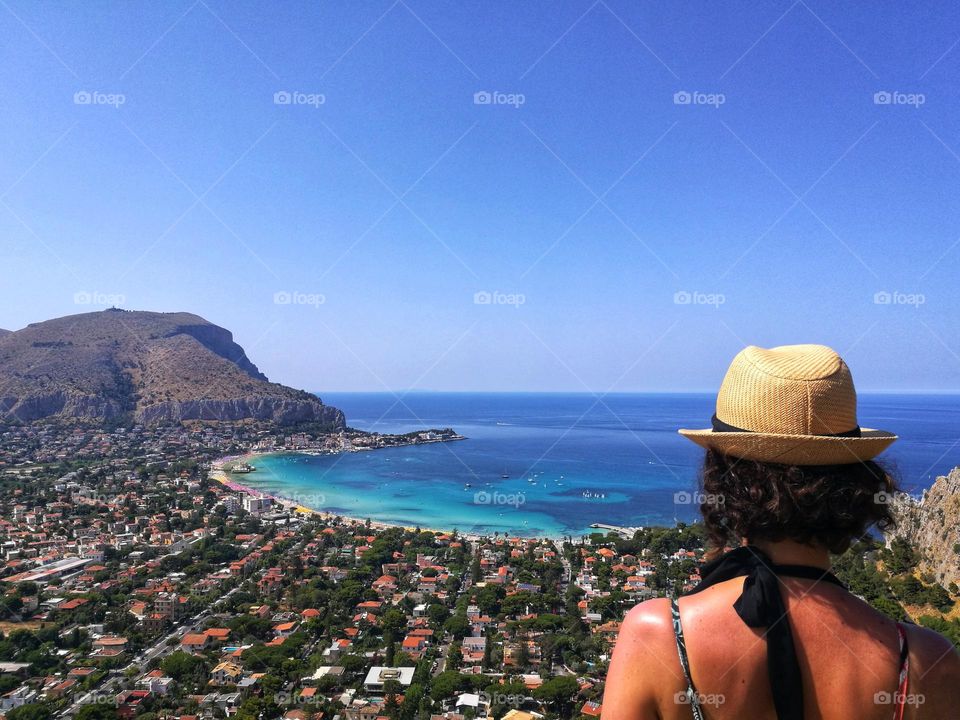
x,y
30,711
352,663
445,685
97,711
438,614
183,666
392,623
457,625
901,557
558,692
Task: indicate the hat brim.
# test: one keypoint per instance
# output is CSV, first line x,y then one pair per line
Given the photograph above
x,y
794,449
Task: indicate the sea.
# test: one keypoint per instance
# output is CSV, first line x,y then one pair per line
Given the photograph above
x,y
554,464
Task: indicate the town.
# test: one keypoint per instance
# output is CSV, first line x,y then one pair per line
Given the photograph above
x,y
137,584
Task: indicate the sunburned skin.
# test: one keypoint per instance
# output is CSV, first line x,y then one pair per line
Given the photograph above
x,y
848,655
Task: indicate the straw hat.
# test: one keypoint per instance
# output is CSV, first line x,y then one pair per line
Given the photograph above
x,y
793,405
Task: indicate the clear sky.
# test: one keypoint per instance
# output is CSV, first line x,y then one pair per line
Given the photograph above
x,y
642,189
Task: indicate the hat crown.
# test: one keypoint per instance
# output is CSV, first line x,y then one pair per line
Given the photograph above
x,y
791,390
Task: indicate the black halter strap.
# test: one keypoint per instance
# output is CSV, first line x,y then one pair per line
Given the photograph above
x,y
761,605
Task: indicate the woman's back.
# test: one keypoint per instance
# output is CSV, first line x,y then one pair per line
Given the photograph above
x,y
769,634
848,654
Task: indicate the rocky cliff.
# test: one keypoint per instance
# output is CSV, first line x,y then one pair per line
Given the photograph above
x,y
144,367
932,526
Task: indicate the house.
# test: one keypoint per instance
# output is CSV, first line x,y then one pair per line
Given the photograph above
x,y
521,715
333,671
591,709
195,642
217,636
130,703
17,697
285,629
155,623
226,673
414,645
337,648
365,710
62,689
108,647
385,585
170,605
513,653
473,650
378,676
155,682
427,585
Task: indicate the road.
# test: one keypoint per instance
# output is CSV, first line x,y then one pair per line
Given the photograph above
x,y
161,648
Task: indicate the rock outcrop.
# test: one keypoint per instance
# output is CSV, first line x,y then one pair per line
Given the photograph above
x,y
146,367
932,525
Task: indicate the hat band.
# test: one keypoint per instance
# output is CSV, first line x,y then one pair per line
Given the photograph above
x,y
720,426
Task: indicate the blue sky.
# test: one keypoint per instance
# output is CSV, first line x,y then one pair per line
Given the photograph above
x,y
649,188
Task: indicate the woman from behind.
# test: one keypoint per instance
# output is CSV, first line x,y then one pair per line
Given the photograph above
x,y
770,633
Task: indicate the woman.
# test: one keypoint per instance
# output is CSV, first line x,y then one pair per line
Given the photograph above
x,y
770,633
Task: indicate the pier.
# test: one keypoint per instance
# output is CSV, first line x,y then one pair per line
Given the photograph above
x,y
627,532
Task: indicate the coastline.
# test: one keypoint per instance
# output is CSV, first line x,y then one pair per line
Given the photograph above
x,y
218,474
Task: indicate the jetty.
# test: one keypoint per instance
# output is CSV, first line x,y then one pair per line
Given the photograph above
x,y
627,532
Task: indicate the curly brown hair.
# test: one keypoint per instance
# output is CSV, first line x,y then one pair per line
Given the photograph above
x,y
826,505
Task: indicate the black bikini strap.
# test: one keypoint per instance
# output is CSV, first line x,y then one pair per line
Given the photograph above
x,y
691,695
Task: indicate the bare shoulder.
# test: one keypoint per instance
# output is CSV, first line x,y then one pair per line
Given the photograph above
x,y
932,655
934,672
649,625
634,680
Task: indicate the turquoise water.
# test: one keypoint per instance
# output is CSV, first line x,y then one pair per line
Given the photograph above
x,y
570,460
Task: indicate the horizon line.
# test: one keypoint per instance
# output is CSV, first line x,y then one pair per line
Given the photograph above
x,y
599,394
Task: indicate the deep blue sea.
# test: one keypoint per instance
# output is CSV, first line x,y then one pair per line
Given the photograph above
x,y
570,459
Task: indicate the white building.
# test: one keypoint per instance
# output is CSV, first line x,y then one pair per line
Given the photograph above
x,y
379,675
257,505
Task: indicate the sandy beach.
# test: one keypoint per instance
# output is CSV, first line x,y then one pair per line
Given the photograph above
x,y
218,474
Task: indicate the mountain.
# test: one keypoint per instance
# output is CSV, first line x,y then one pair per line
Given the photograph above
x,y
143,366
932,525
4,332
